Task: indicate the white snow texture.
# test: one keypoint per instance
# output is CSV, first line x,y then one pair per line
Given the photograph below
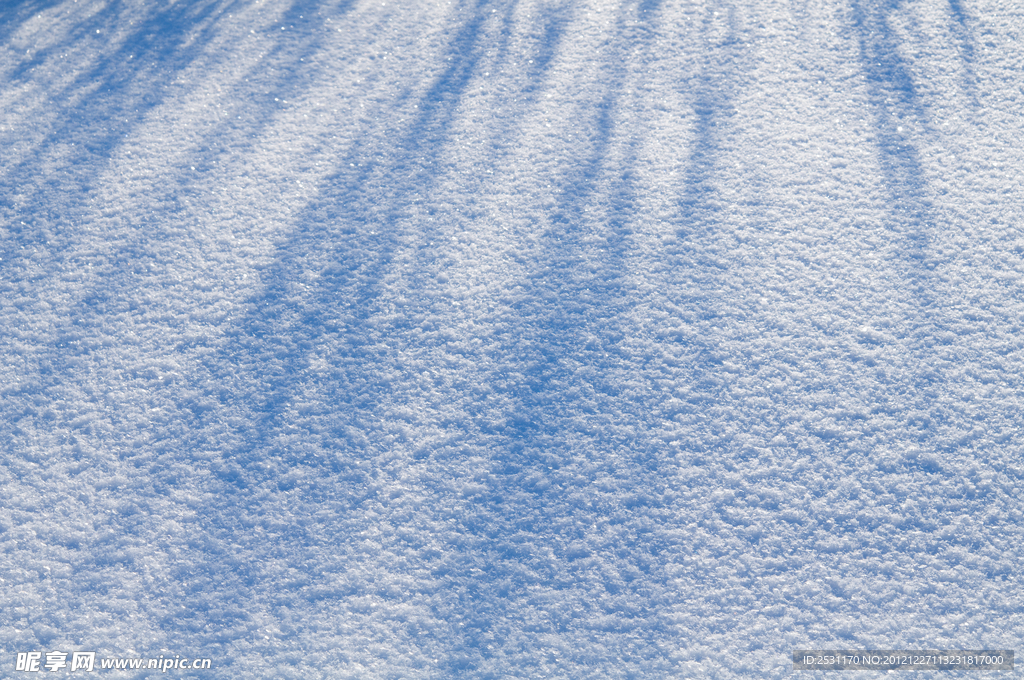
x,y
510,339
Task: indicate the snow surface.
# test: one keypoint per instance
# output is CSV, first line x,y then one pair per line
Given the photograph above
x,y
654,339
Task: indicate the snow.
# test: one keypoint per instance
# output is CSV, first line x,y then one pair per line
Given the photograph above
x,y
530,339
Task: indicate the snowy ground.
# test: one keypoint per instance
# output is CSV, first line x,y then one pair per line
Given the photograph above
x,y
655,339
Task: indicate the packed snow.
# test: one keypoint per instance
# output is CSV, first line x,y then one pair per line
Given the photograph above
x,y
523,339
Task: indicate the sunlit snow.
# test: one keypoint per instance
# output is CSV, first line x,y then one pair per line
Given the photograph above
x,y
471,339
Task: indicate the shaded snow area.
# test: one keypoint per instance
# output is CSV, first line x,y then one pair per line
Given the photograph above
x,y
524,339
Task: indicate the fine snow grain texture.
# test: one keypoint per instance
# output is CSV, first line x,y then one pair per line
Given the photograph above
x,y
524,339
